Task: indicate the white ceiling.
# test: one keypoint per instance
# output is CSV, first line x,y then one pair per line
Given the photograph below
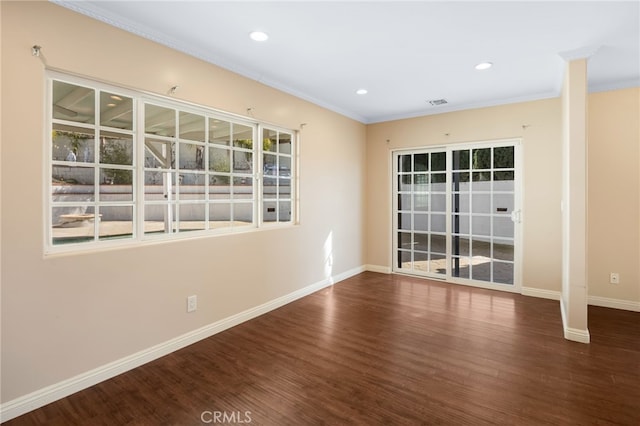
x,y
403,53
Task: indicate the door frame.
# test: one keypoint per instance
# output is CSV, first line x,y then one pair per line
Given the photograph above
x,y
517,143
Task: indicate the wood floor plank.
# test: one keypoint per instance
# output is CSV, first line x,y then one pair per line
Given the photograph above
x,y
383,349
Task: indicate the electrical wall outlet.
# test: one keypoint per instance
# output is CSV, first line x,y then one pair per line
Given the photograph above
x,y
614,278
192,303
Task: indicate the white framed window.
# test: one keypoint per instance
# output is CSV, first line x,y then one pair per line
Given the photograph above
x,y
127,167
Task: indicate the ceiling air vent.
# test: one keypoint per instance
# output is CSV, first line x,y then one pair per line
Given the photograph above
x,y
436,102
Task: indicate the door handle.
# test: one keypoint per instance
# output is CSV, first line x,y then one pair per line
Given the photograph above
x,y
516,216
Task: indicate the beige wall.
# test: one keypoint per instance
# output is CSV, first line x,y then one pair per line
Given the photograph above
x,y
541,136
65,315
614,193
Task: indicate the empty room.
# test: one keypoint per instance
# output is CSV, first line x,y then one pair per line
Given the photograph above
x,y
306,213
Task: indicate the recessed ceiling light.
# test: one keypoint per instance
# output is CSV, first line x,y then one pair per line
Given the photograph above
x,y
115,98
258,36
484,66
111,105
362,91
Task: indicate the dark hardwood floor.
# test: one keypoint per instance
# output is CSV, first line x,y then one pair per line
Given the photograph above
x,y
383,349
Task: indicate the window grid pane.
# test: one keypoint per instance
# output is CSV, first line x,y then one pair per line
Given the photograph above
x,y
196,172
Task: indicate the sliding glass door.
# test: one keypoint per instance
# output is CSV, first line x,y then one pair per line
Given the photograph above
x,y
456,213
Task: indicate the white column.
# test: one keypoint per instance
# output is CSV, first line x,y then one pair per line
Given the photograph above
x,y
574,202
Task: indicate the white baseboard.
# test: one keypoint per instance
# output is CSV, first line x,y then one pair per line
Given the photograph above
x,y
537,292
606,302
573,334
44,396
377,268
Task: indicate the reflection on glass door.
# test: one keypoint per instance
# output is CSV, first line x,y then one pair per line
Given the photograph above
x,y
456,213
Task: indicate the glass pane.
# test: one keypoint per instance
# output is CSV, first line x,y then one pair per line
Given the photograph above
x,y
284,187
242,214
437,181
72,144
461,160
460,203
270,168
421,242
159,121
269,140
404,183
420,162
284,166
481,177
404,202
481,225
460,246
219,215
460,224
420,202
503,250
242,162
503,272
242,136
157,185
480,250
503,157
438,202
116,185
73,224
269,189
421,182
284,213
219,187
481,203
192,217
460,181
72,184
404,221
421,222
503,176
115,148
159,154
438,223
159,218
192,127
502,204
269,213
116,111
438,161
404,163
503,226
284,143
73,103
191,156
438,263
481,270
404,259
481,158
219,131
220,159
242,188
438,243
115,222
421,261
504,185
192,186
460,267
